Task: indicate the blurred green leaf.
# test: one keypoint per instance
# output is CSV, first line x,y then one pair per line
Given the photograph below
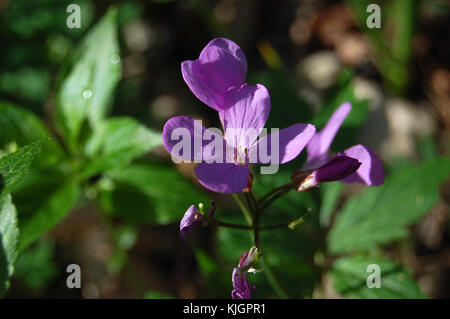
x,y
382,214
153,294
9,233
116,142
290,108
89,80
23,127
150,193
350,279
14,166
331,193
26,20
32,84
53,210
35,266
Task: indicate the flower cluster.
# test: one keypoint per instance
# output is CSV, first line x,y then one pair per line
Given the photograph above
x,y
357,164
217,78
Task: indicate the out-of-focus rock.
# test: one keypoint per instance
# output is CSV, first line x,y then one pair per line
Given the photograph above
x,y
320,69
375,130
164,106
225,11
333,23
440,87
353,49
138,36
405,121
300,31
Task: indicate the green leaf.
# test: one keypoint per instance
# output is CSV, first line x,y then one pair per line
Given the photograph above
x,y
153,294
14,166
89,80
36,267
330,196
9,233
350,276
382,214
53,210
23,127
150,193
116,142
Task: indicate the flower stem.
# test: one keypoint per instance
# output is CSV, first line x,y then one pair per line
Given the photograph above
x,y
274,198
228,225
245,211
273,281
275,190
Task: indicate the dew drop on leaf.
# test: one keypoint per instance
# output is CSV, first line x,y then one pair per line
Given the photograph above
x,y
87,94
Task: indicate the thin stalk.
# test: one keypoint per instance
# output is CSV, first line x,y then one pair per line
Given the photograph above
x,y
273,281
229,225
275,190
274,198
245,211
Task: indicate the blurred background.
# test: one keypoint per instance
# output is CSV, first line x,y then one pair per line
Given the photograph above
x,y
308,53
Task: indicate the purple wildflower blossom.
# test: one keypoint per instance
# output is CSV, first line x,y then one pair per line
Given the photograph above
x,y
241,288
356,164
221,66
248,111
194,216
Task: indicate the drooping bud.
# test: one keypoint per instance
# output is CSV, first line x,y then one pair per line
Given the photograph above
x,y
193,216
241,288
336,169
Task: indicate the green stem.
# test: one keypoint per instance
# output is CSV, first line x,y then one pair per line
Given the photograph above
x,y
274,198
273,281
245,211
228,225
275,190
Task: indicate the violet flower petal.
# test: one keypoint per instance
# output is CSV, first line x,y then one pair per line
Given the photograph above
x,y
371,170
221,65
223,177
187,125
242,289
191,217
291,141
320,143
244,121
338,168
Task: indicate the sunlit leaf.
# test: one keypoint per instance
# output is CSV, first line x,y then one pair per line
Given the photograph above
x,y
116,142
351,274
9,233
56,206
23,127
89,81
150,193
382,214
14,166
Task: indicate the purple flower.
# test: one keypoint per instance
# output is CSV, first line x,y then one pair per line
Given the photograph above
x,y
221,66
356,164
241,288
194,216
225,169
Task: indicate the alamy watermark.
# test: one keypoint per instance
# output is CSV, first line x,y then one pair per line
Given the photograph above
x,y
374,279
238,146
